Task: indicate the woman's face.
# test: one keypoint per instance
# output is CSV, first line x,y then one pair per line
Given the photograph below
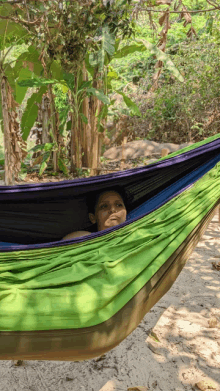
x,y
110,211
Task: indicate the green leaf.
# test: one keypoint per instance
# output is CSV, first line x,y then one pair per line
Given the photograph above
x,y
45,160
11,29
69,79
56,70
89,67
63,117
36,82
30,114
2,156
62,166
130,104
5,9
43,167
112,75
168,64
103,113
21,91
84,118
9,73
97,59
108,41
36,148
129,49
48,146
69,125
99,94
85,84
30,56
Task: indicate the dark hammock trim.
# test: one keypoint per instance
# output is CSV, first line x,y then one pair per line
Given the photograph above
x,y
17,192
187,160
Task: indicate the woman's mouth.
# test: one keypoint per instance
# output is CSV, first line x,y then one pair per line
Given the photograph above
x,y
113,218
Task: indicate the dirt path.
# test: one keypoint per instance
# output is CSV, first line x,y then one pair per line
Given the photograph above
x,y
188,350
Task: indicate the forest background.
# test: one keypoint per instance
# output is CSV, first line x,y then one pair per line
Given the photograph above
x,y
78,76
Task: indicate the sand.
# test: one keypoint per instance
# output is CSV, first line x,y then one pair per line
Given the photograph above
x,y
173,348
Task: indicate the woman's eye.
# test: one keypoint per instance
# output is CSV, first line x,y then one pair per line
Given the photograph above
x,y
103,206
119,204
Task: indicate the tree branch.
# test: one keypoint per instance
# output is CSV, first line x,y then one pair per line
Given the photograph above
x,y
181,12
11,2
24,22
212,3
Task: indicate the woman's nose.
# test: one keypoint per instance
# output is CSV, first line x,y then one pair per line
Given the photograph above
x,y
112,209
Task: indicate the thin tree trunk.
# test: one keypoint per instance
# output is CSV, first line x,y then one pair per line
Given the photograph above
x,y
95,107
76,133
15,147
54,125
9,159
45,117
86,131
72,144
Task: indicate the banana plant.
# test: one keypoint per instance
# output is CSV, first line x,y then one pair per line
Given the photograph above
x,y
12,36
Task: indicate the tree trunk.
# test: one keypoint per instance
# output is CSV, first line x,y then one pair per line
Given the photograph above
x,y
45,114
9,158
86,128
95,106
75,136
54,125
86,141
14,146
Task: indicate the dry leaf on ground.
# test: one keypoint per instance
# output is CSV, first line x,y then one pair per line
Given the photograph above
x,y
137,388
154,336
216,266
18,363
212,322
102,357
156,348
204,385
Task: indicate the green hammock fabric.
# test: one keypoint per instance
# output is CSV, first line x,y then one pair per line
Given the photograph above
x,y
84,284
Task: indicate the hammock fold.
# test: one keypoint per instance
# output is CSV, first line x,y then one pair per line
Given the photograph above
x,y
77,299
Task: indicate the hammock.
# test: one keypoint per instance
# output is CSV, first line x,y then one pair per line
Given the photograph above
x,y
77,299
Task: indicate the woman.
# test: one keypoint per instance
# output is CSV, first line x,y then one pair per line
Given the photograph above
x,y
108,211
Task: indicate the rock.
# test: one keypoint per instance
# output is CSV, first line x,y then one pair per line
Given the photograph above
x,y
164,152
109,386
140,148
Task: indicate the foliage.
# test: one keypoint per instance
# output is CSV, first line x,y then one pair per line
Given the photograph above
x,y
188,110
43,159
46,43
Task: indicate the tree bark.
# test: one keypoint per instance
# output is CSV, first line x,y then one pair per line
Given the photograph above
x,y
45,117
95,108
86,128
14,146
9,159
54,125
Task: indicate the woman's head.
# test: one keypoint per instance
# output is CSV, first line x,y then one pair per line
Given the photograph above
x,y
108,210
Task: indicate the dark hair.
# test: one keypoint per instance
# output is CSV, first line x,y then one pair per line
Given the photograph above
x,y
94,197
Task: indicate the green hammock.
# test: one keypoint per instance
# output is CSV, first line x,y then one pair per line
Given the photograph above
x,y
79,300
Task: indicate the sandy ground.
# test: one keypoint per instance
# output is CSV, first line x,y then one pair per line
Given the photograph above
x,y
172,349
